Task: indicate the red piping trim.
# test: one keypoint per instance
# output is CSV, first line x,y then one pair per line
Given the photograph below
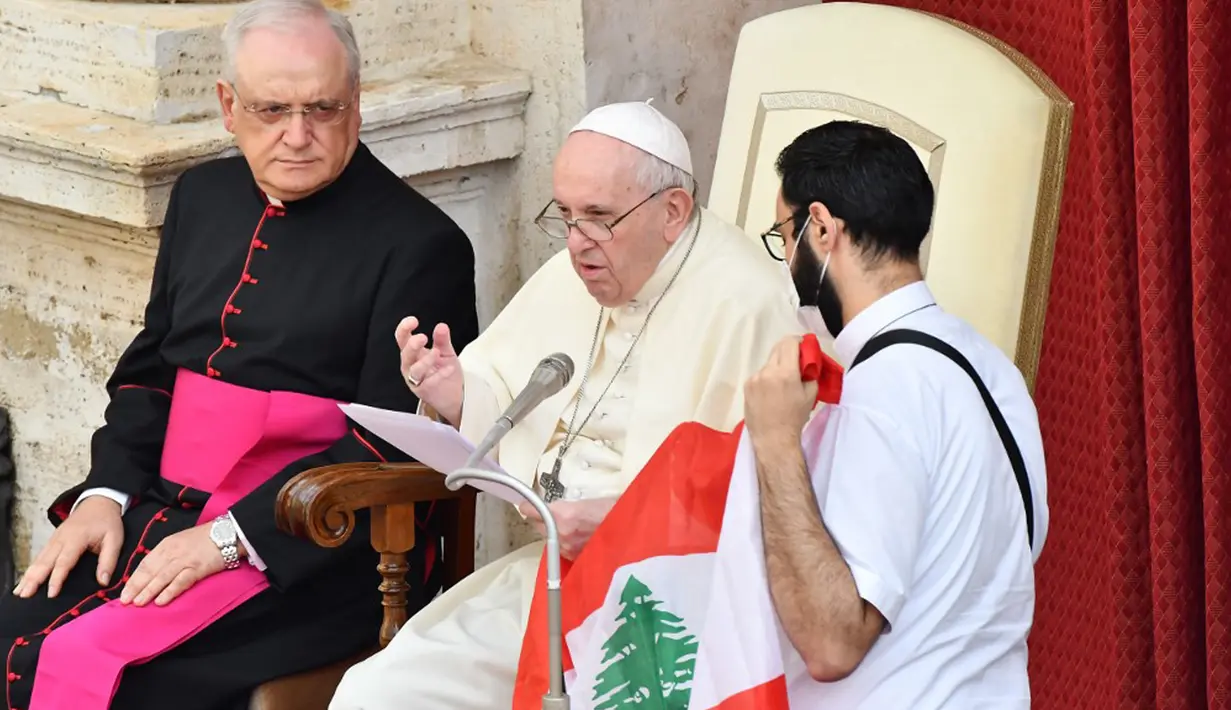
x,y
143,387
431,508
244,278
75,610
369,446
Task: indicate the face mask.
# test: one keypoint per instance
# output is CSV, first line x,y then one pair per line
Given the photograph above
x,y
810,316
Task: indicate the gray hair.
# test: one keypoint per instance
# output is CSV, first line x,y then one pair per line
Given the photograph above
x,y
262,14
655,175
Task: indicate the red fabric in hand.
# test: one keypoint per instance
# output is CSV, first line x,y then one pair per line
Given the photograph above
x,y
816,366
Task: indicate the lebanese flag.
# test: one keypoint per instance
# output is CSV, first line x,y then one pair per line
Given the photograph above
x,y
668,606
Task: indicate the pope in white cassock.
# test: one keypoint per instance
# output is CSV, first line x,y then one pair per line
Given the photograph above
x,y
666,311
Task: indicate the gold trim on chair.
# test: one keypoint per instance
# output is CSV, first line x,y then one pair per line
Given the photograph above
x,y
971,107
1047,210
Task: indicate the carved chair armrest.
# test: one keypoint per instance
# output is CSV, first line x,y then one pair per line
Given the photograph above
x,y
320,504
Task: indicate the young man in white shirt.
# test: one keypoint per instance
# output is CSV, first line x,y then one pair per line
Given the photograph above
x,y
901,528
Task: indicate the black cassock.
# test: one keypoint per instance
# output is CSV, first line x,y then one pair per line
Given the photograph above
x,y
303,298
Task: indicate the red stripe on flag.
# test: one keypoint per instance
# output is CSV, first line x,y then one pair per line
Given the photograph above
x,y
673,507
767,696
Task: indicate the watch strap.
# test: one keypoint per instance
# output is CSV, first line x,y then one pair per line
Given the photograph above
x,y
230,556
229,549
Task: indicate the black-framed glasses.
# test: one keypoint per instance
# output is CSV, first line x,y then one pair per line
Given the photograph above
x,y
320,113
775,241
595,230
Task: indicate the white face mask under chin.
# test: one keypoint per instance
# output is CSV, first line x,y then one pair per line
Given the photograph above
x,y
809,316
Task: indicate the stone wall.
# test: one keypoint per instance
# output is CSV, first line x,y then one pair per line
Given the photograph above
x,y
679,53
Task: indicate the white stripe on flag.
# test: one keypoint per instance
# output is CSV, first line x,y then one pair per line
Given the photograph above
x,y
679,583
741,641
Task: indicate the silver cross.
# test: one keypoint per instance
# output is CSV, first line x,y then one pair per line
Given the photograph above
x,y
553,490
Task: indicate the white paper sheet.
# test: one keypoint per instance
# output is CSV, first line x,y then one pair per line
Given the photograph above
x,y
429,442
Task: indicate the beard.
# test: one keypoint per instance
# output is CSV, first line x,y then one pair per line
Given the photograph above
x,y
814,290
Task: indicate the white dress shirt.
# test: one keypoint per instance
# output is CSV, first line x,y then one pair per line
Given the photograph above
x,y
917,491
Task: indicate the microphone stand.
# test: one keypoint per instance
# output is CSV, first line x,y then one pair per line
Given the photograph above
x,y
555,698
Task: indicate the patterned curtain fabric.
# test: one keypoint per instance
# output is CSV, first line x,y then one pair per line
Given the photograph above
x,y
1134,389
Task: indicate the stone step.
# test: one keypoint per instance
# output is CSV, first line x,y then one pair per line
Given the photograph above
x,y
158,62
459,110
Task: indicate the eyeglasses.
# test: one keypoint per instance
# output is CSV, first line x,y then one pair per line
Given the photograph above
x,y
775,242
595,230
320,113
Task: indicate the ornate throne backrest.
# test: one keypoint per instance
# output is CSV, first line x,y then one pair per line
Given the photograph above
x,y
990,128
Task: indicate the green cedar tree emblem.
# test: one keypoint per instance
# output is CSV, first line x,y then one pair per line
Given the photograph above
x,y
649,659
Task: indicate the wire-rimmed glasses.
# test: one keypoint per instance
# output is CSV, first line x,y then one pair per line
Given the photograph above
x,y
595,230
319,113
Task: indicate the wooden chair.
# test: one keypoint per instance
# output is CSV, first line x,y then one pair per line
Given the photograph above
x,y
320,505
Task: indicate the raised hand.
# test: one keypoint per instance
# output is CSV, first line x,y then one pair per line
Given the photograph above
x,y
433,374
96,526
777,401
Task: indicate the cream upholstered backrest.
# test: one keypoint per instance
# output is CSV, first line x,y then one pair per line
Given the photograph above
x,y
991,129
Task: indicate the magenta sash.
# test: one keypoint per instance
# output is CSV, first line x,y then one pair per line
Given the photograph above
x,y
221,439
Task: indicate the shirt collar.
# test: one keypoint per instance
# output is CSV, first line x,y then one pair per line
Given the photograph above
x,y
657,283
878,316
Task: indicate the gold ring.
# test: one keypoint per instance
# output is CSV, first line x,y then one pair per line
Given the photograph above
x,y
412,381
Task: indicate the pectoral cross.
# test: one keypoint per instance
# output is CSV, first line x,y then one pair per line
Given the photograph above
x,y
553,490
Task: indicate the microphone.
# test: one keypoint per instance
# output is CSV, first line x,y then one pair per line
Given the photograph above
x,y
549,377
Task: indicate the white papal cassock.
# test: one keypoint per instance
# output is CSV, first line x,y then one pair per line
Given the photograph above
x,y
713,329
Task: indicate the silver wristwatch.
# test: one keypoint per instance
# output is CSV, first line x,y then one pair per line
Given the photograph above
x,y
222,532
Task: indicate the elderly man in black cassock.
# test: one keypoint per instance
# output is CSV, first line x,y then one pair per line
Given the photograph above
x,y
279,282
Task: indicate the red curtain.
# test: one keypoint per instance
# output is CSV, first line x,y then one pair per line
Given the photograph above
x,y
1134,389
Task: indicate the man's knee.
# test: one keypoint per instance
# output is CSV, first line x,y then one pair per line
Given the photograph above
x,y
22,617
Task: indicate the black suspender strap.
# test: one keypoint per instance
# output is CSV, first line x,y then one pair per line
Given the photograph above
x,y
893,337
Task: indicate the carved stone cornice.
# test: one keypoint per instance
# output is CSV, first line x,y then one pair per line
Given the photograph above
x,y
463,110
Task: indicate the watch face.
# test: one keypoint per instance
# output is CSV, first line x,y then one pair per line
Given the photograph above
x,y
222,532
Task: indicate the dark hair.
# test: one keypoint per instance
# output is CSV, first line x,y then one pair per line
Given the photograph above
x,y
866,176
